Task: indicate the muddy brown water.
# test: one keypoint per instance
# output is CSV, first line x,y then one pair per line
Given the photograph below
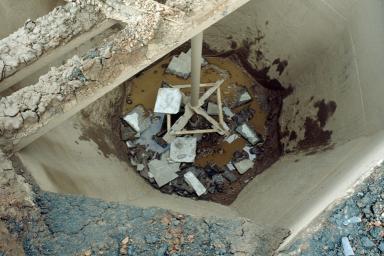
x,y
143,90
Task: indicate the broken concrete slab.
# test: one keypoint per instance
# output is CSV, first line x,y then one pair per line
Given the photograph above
x,y
248,133
181,65
147,137
163,171
194,182
244,165
212,109
231,138
168,101
183,149
230,176
230,166
137,119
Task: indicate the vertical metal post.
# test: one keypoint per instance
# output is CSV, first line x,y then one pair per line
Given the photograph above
x,y
197,52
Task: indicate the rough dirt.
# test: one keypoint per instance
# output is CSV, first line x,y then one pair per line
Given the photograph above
x,y
360,217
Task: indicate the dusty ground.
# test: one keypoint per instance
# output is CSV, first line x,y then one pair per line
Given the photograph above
x,y
360,217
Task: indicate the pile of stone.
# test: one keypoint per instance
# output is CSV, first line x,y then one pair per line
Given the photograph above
x,y
171,167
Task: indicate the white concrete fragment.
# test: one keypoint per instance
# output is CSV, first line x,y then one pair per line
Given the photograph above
x,y
137,120
130,144
244,97
183,149
212,109
243,166
168,101
231,138
181,65
191,179
163,171
248,133
140,167
228,112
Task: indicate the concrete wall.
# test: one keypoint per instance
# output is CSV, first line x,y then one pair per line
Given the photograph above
x,y
13,13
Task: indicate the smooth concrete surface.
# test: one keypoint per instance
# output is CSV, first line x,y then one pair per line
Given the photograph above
x,y
62,162
13,13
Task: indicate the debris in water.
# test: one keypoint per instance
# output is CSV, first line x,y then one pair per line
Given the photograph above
x,y
248,133
244,165
181,65
191,179
147,138
163,171
212,109
231,138
168,101
183,149
137,119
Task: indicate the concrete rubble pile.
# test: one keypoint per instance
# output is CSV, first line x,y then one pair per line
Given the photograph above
x,y
171,167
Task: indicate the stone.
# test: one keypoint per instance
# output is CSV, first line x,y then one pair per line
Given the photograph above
x,y
168,101
248,133
137,119
212,109
183,149
347,247
163,172
352,220
381,247
243,166
181,65
243,97
191,179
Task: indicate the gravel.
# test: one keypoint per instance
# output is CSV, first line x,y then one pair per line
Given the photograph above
x,y
359,217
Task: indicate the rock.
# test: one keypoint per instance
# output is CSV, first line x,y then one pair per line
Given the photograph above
x,y
162,250
352,220
168,101
243,166
181,65
377,233
367,243
347,247
381,247
183,149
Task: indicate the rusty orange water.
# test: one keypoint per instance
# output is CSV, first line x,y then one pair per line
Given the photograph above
x,y
143,90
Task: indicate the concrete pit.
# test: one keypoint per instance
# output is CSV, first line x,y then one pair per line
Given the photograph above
x,y
313,70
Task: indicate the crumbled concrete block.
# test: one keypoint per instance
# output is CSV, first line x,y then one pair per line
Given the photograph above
x,y
231,138
248,133
243,166
230,176
212,109
137,119
228,112
230,166
243,97
183,149
181,65
191,179
168,101
163,171
147,137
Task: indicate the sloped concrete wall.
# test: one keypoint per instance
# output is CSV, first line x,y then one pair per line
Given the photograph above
x,y
13,13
